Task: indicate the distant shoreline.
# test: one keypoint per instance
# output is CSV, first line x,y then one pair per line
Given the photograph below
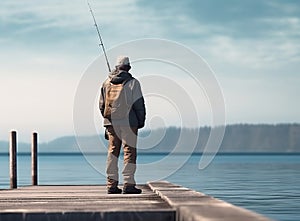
x,y
239,138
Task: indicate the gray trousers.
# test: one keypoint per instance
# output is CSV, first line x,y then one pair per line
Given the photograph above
x,y
118,136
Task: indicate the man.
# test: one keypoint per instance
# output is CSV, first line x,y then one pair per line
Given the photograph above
x,y
122,106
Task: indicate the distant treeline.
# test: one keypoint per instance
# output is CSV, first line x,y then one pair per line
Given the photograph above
x,y
262,138
238,138
241,138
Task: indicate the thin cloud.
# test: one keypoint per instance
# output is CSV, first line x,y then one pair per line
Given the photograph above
x,y
248,43
66,14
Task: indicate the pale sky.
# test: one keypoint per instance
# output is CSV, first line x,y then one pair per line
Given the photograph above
x,y
253,47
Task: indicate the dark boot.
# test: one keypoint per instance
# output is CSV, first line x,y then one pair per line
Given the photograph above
x,y
131,190
114,190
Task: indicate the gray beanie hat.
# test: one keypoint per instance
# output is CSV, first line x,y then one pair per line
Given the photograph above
x,y
122,60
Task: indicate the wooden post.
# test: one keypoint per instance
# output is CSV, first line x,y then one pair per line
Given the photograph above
x,y
13,159
34,163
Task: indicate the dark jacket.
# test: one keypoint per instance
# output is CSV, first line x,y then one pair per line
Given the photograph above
x,y
137,112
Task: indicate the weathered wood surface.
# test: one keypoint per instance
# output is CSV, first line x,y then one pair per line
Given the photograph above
x,y
81,203
195,206
159,201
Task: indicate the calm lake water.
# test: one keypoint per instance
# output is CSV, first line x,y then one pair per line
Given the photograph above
x,y
267,184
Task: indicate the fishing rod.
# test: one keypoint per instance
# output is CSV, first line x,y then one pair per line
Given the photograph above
x,y
101,42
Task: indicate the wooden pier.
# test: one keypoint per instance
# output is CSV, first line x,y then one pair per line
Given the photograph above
x,y
159,201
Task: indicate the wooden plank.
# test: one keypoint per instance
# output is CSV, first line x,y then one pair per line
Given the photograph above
x,y
196,206
84,202
159,201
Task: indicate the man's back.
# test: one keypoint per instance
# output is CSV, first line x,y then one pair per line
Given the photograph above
x,y
130,108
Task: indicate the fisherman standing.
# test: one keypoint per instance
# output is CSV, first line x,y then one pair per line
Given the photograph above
x,y
123,109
